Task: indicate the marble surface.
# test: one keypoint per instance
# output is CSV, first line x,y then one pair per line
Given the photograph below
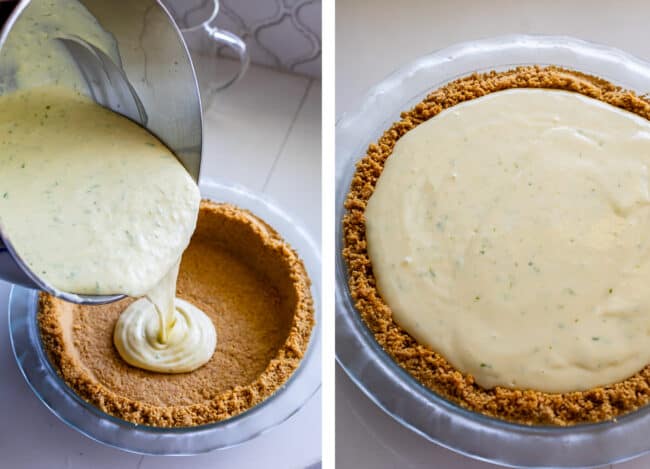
x,y
263,133
374,38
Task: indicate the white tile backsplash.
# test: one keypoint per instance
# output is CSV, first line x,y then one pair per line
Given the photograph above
x,y
283,34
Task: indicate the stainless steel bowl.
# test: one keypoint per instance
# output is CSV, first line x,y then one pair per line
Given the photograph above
x,y
149,78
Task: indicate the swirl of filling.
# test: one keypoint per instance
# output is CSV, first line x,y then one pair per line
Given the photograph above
x,y
191,338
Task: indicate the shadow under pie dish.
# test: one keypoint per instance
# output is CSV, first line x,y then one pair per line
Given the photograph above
x,y
432,369
255,289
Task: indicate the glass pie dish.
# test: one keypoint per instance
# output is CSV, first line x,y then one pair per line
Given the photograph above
x,y
97,425
371,368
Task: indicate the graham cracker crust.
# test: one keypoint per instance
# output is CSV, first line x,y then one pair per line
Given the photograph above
x,y
424,364
255,289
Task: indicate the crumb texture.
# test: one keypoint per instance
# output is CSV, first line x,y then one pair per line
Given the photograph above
x,y
425,365
250,283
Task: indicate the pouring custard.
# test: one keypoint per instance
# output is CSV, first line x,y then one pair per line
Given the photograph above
x,y
95,204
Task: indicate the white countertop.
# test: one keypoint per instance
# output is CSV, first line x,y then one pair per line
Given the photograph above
x,y
263,133
374,38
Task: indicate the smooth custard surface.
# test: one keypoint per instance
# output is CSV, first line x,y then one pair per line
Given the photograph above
x,y
427,365
512,234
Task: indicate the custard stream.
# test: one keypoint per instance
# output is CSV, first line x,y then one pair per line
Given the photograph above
x,y
95,204
92,202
